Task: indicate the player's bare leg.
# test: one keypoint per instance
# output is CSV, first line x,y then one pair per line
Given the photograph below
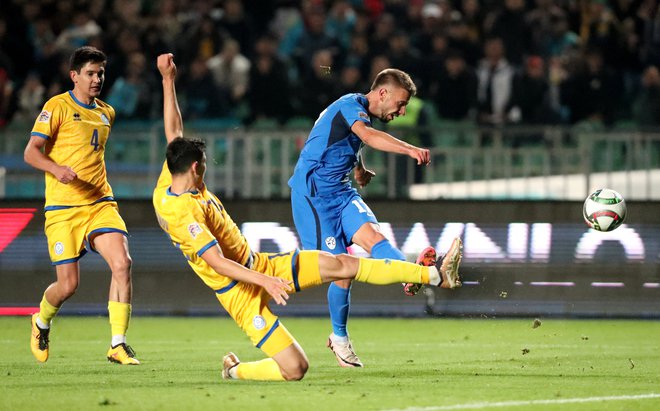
x,y
290,364
68,277
113,247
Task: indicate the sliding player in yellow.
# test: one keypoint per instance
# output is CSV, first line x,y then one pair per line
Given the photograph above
x,y
243,281
68,143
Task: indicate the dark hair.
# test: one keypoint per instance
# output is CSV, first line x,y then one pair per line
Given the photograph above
x,y
397,77
84,55
182,152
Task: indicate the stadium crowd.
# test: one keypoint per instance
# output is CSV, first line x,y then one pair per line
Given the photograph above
x,y
492,62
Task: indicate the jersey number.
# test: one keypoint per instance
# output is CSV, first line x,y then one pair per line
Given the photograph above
x,y
361,206
95,140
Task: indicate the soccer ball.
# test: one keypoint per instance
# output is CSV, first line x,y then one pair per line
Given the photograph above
x,y
604,210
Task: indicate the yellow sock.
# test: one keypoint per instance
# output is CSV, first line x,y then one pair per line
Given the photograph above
x,y
120,315
382,272
46,310
263,370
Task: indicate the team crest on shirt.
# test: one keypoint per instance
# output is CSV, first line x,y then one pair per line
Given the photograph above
x,y
331,242
363,115
44,116
259,322
58,248
194,229
104,119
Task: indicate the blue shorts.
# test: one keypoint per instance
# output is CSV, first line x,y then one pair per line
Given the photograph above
x,y
329,223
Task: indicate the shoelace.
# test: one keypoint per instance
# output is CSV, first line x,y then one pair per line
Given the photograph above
x,y
43,338
129,351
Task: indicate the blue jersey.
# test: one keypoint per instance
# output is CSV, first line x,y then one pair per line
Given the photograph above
x,y
331,150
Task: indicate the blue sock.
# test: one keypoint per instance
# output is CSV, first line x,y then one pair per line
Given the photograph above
x,y
339,300
383,249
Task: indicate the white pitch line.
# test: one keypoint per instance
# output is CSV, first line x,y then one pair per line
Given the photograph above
x,y
483,405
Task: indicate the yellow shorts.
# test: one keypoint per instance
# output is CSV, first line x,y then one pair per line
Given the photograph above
x,y
69,230
248,304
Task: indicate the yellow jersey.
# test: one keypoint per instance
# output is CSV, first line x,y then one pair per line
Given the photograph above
x,y
76,134
196,221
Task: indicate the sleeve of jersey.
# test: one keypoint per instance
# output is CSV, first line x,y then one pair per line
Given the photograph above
x,y
48,121
198,236
354,111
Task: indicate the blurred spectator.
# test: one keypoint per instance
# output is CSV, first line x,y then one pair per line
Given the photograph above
x,y
357,33
592,92
379,41
358,54
31,98
532,96
351,81
600,30
201,98
647,106
430,26
82,28
202,39
231,70
559,39
269,93
540,22
341,20
238,25
312,39
473,18
319,88
496,82
509,25
461,39
403,56
131,94
455,91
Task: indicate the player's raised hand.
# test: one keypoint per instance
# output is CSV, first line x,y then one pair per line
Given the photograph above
x,y
422,155
166,66
64,174
362,175
277,288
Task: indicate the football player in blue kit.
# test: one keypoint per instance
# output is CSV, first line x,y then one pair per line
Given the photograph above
x,y
328,212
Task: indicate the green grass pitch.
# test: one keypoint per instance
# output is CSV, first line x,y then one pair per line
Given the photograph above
x,y
411,364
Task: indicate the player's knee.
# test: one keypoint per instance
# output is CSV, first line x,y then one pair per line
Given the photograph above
x,y
347,267
296,372
121,267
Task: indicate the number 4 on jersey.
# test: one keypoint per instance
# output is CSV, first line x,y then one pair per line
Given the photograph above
x,y
95,140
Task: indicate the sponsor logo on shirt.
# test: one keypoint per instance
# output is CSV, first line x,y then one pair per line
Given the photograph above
x,y
76,117
44,117
194,229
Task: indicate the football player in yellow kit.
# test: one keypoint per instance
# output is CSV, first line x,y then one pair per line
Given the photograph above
x,y
244,282
68,143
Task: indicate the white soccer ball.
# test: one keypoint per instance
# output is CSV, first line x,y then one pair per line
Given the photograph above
x,y
604,210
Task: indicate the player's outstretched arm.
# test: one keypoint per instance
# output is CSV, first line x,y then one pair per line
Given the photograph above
x,y
34,156
276,287
171,113
383,141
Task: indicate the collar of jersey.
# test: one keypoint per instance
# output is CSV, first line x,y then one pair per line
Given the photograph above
x,y
170,193
80,103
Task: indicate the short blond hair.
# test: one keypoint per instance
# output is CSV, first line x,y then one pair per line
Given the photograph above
x,y
397,77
